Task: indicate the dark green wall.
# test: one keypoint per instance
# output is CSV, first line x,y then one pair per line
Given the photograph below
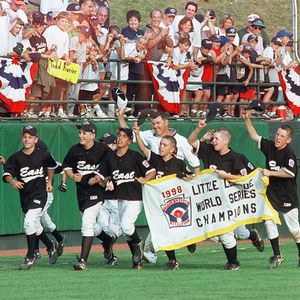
x,y
60,136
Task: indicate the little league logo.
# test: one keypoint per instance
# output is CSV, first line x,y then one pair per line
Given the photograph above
x,y
177,211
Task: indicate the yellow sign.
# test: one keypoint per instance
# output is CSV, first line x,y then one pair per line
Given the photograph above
x,y
59,68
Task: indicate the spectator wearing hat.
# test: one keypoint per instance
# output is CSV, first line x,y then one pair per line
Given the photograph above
x,y
210,28
74,13
43,82
133,33
167,21
49,18
256,27
227,29
58,40
250,19
53,5
273,53
203,73
7,17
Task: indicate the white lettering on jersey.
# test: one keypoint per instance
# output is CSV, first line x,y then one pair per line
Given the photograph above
x,y
291,163
28,175
84,169
37,201
213,167
120,178
159,174
274,167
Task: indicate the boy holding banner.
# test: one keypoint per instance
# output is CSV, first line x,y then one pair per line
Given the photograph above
x,y
165,163
228,165
281,167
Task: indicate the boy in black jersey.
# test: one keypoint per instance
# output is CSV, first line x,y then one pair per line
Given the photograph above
x,y
228,165
281,167
165,163
30,166
81,164
128,171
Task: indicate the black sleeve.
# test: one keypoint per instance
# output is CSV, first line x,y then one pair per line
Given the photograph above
x,y
11,167
50,162
183,168
143,165
264,146
69,162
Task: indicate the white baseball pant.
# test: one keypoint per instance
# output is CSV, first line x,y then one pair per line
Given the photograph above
x,y
46,219
242,232
89,218
291,219
32,221
128,213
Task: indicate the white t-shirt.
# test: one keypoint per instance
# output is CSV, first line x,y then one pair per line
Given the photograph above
x,y
273,73
80,49
53,5
195,35
12,41
4,34
89,73
55,36
184,149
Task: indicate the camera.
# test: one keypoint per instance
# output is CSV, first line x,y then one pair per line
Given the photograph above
x,y
117,37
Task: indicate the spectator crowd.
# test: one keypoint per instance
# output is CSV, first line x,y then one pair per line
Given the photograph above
x,y
210,47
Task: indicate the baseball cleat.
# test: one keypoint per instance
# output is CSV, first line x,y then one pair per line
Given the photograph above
x,y
232,267
150,257
173,265
192,248
60,246
137,266
112,261
80,265
108,252
37,254
52,252
27,264
137,252
258,243
275,261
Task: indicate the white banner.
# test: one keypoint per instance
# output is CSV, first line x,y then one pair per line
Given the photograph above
x,y
181,212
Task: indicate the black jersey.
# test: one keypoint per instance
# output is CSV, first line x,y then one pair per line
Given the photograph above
x,y
123,171
86,162
163,168
282,192
230,162
32,170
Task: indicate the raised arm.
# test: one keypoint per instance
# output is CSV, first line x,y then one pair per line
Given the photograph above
x,y
251,130
121,119
194,135
139,141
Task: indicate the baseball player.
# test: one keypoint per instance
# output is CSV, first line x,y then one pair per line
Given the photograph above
x,y
228,165
165,163
281,167
128,171
109,219
46,220
151,139
26,171
81,164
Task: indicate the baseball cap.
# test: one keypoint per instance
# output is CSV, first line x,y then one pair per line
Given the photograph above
x,y
258,23
231,31
127,131
252,37
108,138
212,13
30,130
257,105
144,114
276,41
49,15
283,32
247,48
215,38
213,110
85,30
73,7
170,11
252,17
206,43
38,18
88,127
224,40
119,97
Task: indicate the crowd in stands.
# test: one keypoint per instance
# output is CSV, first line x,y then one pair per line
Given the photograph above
x,y
204,43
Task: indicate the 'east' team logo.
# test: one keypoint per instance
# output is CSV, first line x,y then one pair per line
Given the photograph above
x,y
177,211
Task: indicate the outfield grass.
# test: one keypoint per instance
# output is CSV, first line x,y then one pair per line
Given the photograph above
x,y
200,277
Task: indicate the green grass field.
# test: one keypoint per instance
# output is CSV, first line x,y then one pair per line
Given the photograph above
x,y
200,277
